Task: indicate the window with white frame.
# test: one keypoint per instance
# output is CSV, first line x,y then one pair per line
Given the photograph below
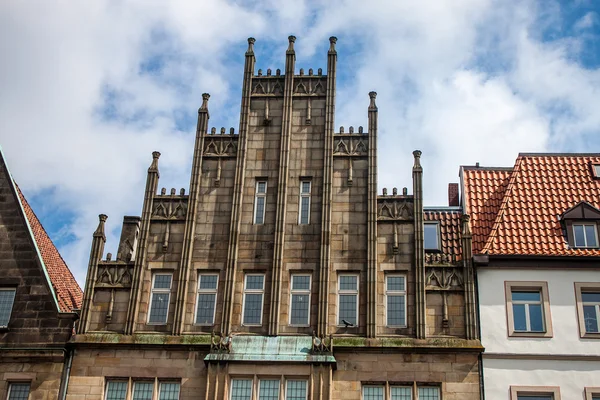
x,y
295,390
254,288
7,299
585,235
118,389
395,293
143,390
268,389
348,300
18,390
260,202
431,233
592,393
206,299
534,393
160,298
528,308
378,392
587,295
241,389
168,390
300,300
304,215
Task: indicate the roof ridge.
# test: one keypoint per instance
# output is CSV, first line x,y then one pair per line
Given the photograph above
x,y
559,154
503,206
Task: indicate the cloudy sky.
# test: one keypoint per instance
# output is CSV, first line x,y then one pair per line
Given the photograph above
x,y
89,89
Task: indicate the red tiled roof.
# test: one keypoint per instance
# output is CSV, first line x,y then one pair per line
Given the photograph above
x,y
483,191
68,292
540,188
450,227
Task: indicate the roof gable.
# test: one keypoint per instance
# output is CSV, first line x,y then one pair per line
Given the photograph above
x,y
582,210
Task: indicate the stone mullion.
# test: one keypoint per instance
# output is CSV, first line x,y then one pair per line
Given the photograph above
x,y
421,309
98,241
372,222
284,159
327,197
190,218
238,190
142,251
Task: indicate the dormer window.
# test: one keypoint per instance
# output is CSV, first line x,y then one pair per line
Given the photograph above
x,y
585,235
596,170
432,236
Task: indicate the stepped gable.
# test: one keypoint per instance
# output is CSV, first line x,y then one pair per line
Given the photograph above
x,y
484,190
541,187
450,227
68,292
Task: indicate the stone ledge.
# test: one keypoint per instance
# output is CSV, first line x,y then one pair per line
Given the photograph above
x,y
409,344
140,339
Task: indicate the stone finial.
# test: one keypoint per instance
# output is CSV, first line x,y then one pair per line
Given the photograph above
x,y
99,232
360,129
292,40
417,154
278,72
163,191
404,191
251,42
320,71
213,131
231,131
385,191
466,229
182,192
372,96
154,165
310,72
205,97
301,71
268,71
108,256
173,191
332,42
222,132
260,72
395,191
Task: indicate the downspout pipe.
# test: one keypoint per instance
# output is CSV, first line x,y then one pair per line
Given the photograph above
x,y
66,373
480,356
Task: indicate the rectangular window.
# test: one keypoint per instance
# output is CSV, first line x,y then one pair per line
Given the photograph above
x,y
268,389
535,397
143,390
528,308
585,235
241,389
160,298
116,390
429,393
300,300
432,236
587,295
253,299
296,390
395,292
260,202
534,393
7,299
207,298
592,393
304,217
168,391
18,391
348,300
401,393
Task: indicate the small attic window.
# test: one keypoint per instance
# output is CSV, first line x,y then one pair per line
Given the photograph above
x,y
596,171
585,235
432,236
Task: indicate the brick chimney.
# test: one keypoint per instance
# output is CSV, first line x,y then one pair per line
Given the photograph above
x,y
453,194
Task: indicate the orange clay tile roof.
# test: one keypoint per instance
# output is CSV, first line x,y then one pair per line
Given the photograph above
x,y
449,230
68,292
518,212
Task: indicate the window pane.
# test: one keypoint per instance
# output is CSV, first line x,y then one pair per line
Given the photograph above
x,y
347,308
116,390
143,390
305,187
19,391
7,298
348,282
261,187
304,210
299,309
590,319
296,390
519,317
372,393
162,282
395,283
206,308
588,297
208,282
590,235
269,390
260,210
252,309
579,235
401,393
526,296
596,397
395,310
427,393
536,318
241,389
300,282
169,391
431,236
159,308
254,282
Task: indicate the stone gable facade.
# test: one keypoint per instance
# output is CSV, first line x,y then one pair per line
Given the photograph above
x,y
281,273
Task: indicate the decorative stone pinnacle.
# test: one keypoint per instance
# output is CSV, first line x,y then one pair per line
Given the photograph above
x,y
156,155
154,166
100,229
332,42
372,96
103,217
251,42
205,97
417,154
292,40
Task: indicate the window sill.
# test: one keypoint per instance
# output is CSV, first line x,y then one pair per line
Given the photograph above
x,y
157,323
591,335
530,334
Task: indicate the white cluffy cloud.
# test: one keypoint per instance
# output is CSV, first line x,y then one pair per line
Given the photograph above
x,y
89,90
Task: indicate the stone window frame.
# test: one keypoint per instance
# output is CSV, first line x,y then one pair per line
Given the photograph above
x,y
258,195
542,286
396,293
131,381
200,291
300,291
12,305
256,379
387,388
554,391
302,196
348,292
18,382
439,239
591,391
584,224
583,287
161,290
253,291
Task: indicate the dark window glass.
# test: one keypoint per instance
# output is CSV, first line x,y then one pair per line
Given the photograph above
x,y
431,237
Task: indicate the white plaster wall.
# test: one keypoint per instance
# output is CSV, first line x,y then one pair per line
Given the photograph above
x,y
561,292
571,376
